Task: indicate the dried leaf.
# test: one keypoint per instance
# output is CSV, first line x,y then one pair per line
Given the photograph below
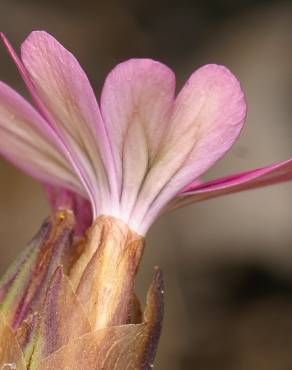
x,y
136,313
153,316
107,282
63,318
128,347
10,353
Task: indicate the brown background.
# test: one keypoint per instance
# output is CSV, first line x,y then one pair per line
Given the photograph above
x,y
227,262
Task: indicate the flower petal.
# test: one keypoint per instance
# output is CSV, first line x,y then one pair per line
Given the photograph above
x,y
27,141
135,105
207,117
276,173
71,108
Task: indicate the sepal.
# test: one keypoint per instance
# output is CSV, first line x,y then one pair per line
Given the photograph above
x,y
23,287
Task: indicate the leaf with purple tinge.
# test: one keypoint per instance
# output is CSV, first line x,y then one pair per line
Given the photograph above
x,y
63,318
26,335
23,287
128,347
19,275
13,272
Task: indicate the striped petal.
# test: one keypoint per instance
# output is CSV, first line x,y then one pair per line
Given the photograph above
x,y
70,106
136,101
277,173
27,141
207,117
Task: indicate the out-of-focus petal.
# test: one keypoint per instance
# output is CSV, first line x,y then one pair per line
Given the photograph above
x,y
277,173
207,117
136,101
27,141
61,198
71,108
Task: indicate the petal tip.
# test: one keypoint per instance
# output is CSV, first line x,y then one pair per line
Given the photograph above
x,y
225,78
141,65
35,37
4,40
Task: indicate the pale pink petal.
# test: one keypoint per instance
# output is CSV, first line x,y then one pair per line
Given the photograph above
x,y
136,104
27,141
72,110
207,118
43,110
276,173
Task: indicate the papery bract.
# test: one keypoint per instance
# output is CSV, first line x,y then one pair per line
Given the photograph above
x,y
51,306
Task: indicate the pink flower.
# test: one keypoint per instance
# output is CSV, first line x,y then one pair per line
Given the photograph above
x,y
141,150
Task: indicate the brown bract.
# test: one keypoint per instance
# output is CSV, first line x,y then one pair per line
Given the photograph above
x,y
69,303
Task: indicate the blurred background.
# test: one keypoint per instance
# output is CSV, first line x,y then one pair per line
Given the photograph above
x,y
227,262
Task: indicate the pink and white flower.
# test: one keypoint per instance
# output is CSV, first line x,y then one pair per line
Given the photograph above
x,y
138,152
